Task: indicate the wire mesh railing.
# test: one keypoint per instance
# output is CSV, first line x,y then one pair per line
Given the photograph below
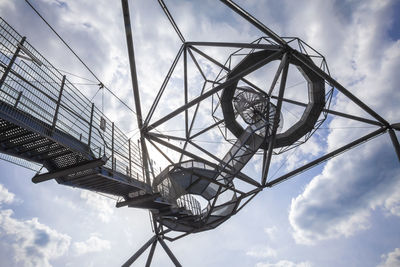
x,y
33,85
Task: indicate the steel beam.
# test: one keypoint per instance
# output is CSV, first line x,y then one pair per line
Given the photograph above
x,y
151,253
326,157
135,201
161,152
163,86
135,86
277,74
201,53
139,252
171,20
169,252
396,126
234,45
216,89
333,112
395,142
340,87
185,89
69,170
254,21
206,129
271,143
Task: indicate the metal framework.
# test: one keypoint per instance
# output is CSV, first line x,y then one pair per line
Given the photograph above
x,y
44,119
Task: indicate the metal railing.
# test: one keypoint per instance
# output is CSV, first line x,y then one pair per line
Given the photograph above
x,y
33,85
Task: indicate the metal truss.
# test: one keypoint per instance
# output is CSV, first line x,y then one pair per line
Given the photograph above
x,y
288,51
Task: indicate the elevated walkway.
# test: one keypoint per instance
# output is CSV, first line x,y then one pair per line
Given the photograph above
x,y
45,119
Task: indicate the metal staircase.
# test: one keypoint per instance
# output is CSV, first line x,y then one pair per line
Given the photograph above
x,y
190,178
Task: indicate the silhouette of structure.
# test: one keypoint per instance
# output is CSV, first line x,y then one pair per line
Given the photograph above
x,y
44,119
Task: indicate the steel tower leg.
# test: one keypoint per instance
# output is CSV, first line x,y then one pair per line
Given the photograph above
x,y
140,252
135,86
151,253
169,252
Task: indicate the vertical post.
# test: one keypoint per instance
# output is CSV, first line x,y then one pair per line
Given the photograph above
x,y
10,64
130,158
112,147
90,126
186,90
53,126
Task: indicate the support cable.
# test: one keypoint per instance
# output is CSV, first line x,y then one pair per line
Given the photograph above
x,y
76,55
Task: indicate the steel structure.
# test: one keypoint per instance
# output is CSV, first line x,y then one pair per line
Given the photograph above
x,y
44,119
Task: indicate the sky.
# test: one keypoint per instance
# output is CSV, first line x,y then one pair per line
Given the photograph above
x,y
344,212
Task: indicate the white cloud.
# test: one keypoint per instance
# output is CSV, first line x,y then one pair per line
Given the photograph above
x,y
101,206
391,259
32,243
5,195
93,244
284,263
261,252
271,231
340,200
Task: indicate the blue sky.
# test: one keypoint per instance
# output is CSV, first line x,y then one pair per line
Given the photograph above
x,y
343,213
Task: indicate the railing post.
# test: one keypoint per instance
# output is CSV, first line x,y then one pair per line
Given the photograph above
x,y
141,160
9,66
130,158
90,126
112,147
53,126
18,99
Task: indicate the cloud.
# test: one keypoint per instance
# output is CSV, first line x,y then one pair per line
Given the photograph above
x,y
93,244
102,206
271,231
6,196
339,202
32,243
391,259
262,252
284,263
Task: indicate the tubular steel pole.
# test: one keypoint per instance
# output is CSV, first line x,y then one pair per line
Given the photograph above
x,y
268,154
395,142
151,253
216,89
340,87
254,21
135,87
326,157
139,252
169,252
